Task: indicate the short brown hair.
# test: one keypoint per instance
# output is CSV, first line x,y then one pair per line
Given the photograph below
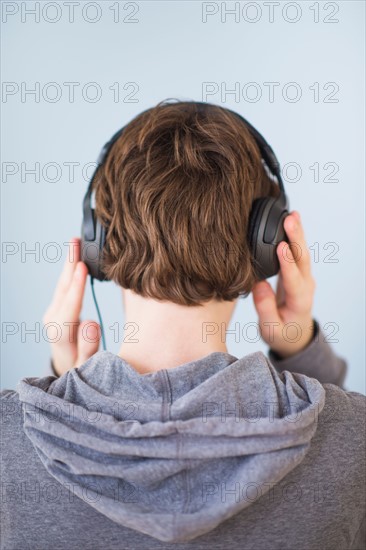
x,y
175,195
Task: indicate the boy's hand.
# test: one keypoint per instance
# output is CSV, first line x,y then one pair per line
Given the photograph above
x,y
285,318
73,342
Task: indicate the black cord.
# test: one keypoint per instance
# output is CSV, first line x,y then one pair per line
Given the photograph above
x,y
98,312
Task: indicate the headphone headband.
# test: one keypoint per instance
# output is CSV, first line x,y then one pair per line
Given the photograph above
x,y
266,150
266,218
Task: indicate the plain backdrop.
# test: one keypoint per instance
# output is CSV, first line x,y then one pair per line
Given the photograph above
x,y
136,54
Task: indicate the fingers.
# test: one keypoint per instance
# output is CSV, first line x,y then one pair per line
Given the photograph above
x,y
292,305
295,264
296,236
64,313
280,293
265,303
290,274
72,258
89,335
74,297
86,343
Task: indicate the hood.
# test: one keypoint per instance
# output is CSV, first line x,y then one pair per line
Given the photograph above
x,y
172,453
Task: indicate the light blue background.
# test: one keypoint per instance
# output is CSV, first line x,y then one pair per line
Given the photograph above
x,y
170,52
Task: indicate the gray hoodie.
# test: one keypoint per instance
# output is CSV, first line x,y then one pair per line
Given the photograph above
x,y
216,453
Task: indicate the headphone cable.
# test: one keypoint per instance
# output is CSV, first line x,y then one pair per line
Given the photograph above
x,y
98,312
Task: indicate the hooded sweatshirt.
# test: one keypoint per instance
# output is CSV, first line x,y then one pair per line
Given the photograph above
x,y
220,452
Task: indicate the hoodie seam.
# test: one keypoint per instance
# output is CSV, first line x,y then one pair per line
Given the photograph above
x,y
168,392
167,395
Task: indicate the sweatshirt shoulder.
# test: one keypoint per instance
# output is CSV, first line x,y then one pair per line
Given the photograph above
x,y
341,434
10,408
347,407
348,398
8,395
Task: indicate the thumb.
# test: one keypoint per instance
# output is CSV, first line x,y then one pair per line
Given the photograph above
x,y
264,300
89,334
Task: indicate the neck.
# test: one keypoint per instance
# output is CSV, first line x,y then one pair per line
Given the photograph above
x,y
162,335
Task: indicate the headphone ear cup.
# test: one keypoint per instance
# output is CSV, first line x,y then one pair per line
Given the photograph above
x,y
92,250
254,222
266,231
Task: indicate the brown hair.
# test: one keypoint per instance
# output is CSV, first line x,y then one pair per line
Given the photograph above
x,y
174,194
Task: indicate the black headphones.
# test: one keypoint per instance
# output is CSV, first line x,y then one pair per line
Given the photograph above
x,y
265,231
